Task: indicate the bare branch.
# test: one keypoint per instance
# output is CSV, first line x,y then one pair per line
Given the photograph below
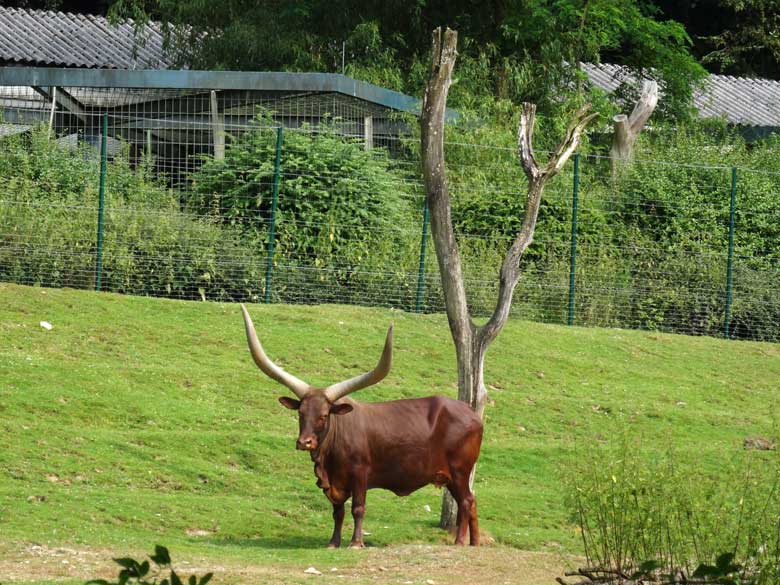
x,y
648,100
525,135
510,268
570,141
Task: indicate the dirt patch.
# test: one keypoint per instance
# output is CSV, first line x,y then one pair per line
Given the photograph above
x,y
403,565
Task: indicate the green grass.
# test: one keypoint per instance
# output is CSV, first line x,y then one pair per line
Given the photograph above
x,y
142,421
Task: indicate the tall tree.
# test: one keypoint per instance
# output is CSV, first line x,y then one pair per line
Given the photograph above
x,y
750,44
734,37
471,341
530,48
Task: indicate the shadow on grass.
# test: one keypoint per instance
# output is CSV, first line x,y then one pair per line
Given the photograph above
x,y
275,542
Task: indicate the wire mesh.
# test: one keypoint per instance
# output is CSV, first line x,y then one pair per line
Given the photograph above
x,y
188,213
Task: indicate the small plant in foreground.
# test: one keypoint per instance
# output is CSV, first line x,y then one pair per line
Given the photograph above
x,y
645,517
133,572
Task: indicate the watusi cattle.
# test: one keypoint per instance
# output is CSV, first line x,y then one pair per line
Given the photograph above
x,y
400,445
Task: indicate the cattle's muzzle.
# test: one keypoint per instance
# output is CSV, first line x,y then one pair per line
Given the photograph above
x,y
306,444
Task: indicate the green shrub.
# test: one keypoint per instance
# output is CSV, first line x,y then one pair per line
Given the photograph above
x,y
143,573
48,229
636,510
347,218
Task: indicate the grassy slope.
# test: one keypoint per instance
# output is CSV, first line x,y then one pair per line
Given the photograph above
x,y
142,420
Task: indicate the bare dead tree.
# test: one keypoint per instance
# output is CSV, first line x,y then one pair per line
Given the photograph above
x,y
627,128
471,341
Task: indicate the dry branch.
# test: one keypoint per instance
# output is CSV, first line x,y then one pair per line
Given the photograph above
x,y
602,576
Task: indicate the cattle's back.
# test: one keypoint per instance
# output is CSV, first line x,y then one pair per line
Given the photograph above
x,y
410,443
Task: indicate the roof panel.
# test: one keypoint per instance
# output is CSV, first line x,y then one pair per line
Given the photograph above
x,y
740,100
77,40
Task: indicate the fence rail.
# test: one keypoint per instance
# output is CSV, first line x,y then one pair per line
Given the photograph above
x,y
153,194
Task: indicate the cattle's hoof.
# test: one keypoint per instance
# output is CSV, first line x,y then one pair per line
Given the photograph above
x,y
334,544
356,545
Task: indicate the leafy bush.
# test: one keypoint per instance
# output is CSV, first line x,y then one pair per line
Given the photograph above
x,y
346,220
669,226
639,512
48,228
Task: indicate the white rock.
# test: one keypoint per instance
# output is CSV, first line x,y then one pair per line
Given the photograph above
x,y
46,325
427,508
313,571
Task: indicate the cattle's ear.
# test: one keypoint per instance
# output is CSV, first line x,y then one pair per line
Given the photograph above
x,y
290,403
340,408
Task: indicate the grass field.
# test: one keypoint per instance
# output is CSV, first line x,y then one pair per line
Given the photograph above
x,y
137,421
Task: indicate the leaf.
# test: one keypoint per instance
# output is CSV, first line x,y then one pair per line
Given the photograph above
x,y
97,582
175,580
127,563
206,578
193,580
143,569
161,555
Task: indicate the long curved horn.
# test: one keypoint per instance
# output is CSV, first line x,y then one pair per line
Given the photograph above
x,y
270,369
336,391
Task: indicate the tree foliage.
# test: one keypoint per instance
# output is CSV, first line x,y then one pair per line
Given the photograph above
x,y
752,44
525,50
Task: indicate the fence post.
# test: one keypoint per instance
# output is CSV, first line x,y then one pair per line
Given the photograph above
x,y
101,201
421,271
272,230
573,251
730,265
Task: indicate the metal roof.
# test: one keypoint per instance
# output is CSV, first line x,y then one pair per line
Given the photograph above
x,y
262,81
739,100
83,51
44,37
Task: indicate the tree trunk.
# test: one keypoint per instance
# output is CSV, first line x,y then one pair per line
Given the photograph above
x,y
471,390
471,342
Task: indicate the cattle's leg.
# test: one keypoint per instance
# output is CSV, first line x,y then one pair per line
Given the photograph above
x,y
467,509
358,508
473,523
338,520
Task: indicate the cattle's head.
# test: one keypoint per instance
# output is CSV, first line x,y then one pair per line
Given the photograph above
x,y
315,406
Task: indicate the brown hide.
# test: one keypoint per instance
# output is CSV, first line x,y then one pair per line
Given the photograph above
x,y
401,445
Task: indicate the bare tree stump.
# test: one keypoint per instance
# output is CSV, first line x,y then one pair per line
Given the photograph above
x,y
627,128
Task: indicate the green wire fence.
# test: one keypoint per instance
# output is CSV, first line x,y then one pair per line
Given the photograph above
x,y
316,215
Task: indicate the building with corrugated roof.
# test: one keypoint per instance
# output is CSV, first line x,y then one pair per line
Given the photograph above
x,y
68,70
